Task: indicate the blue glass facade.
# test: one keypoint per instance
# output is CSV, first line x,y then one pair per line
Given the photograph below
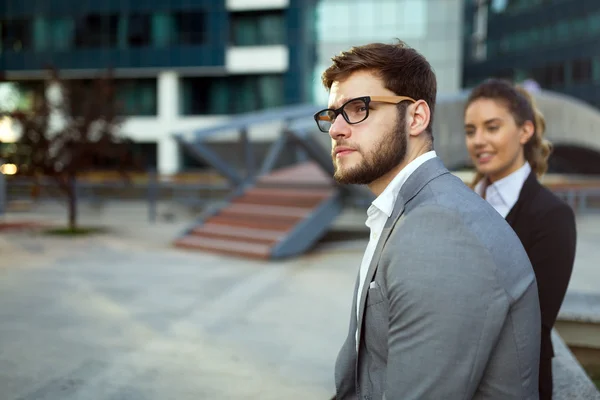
x,y
153,34
71,34
553,42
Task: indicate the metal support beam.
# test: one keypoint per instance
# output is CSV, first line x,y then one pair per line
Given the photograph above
x,y
203,153
248,153
313,149
273,154
152,194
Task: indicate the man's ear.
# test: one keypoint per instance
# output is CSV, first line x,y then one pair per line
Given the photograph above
x,y
419,115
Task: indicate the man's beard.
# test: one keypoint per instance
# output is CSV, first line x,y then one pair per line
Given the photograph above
x,y
388,154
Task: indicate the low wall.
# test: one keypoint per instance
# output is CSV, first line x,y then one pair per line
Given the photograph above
x,y
570,380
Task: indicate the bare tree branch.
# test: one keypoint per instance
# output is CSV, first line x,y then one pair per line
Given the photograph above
x,y
68,129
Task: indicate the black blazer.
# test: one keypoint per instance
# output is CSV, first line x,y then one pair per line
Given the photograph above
x,y
546,226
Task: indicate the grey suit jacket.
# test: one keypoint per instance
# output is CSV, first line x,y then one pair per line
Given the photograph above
x,y
453,312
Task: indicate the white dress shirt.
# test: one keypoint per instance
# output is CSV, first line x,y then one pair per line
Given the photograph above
x,y
504,193
380,210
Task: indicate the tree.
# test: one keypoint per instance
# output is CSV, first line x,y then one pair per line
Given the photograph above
x,y
66,128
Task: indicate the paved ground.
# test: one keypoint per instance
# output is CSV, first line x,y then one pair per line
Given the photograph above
x,y
126,317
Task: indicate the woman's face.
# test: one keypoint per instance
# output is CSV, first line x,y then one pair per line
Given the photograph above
x,y
494,141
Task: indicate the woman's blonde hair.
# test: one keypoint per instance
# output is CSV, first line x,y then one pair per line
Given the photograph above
x,y
522,107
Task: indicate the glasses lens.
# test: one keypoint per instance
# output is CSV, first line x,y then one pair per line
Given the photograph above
x,y
325,119
356,111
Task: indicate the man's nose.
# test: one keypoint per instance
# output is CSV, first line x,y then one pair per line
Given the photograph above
x,y
340,128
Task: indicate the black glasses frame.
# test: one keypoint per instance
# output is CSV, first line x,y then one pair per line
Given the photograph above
x,y
367,100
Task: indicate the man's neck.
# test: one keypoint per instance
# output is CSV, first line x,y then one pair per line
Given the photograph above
x,y
378,186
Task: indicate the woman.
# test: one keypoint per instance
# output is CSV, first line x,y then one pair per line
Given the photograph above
x,y
505,140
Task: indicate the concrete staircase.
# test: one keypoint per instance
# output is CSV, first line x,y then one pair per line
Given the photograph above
x,y
283,215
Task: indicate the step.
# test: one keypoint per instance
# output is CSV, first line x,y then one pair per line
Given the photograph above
x,y
282,197
228,247
312,193
259,217
277,201
308,173
225,232
252,222
268,210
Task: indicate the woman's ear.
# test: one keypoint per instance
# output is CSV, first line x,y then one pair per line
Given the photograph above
x,y
526,133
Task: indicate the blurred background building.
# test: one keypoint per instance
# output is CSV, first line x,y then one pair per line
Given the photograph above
x,y
179,64
552,42
183,65
434,27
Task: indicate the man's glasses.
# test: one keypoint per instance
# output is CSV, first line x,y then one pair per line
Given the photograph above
x,y
354,110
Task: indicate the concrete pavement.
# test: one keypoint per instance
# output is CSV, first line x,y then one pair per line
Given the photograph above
x,y
112,319
124,316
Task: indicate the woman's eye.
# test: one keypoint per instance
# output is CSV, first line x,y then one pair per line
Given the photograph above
x,y
492,128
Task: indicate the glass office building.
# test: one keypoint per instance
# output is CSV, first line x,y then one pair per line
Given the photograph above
x,y
554,42
433,27
179,64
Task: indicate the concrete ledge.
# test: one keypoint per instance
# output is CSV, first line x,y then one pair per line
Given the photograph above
x,y
570,380
581,307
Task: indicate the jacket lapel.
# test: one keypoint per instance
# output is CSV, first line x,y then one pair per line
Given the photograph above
x,y
528,191
385,234
422,176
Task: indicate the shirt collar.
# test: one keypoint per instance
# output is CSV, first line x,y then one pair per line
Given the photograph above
x,y
508,188
386,200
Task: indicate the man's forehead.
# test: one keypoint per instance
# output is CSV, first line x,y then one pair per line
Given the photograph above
x,y
359,83
338,95
335,102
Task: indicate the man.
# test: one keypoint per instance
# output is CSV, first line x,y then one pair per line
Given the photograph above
x,y
445,305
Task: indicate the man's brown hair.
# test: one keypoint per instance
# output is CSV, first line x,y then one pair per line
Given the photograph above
x,y
401,68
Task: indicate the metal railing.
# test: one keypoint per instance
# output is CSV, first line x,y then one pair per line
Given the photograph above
x,y
97,194
581,199
2,191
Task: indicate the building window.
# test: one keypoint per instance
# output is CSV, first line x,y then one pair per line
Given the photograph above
x,y
95,30
260,28
137,96
593,23
581,70
549,76
190,27
375,20
138,30
60,33
596,69
15,35
231,95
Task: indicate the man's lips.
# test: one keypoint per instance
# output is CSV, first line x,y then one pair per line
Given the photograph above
x,y
342,151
